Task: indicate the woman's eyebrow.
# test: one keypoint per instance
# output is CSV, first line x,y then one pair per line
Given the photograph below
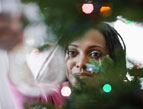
x,y
73,45
95,46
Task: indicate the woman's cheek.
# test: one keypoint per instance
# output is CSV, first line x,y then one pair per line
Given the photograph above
x,y
70,65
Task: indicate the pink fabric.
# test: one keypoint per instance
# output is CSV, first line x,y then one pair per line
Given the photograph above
x,y
55,98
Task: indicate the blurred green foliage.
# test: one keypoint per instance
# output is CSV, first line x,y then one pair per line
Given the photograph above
x,y
67,21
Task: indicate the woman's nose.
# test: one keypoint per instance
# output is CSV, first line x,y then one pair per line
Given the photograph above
x,y
82,61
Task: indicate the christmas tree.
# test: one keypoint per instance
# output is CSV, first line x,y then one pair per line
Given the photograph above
x,y
64,17
111,88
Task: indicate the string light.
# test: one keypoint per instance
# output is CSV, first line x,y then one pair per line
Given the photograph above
x,y
105,11
92,68
87,8
128,22
107,88
137,67
66,91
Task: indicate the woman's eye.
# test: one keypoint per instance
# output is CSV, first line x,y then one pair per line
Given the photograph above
x,y
71,53
95,54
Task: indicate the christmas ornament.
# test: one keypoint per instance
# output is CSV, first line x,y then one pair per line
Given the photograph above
x,y
92,68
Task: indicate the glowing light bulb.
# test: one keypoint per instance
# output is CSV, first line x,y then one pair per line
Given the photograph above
x,y
35,51
92,68
129,22
105,11
66,91
107,88
87,8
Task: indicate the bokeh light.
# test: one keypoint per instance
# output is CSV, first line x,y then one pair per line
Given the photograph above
x,y
128,22
107,88
105,11
66,91
92,68
87,8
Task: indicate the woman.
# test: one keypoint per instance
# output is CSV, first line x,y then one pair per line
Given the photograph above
x,y
96,42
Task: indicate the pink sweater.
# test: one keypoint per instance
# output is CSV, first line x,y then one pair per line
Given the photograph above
x,y
20,99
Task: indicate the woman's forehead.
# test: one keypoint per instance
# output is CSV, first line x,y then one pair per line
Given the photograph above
x,y
91,37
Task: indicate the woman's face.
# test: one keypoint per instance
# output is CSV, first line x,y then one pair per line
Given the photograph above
x,y
79,53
